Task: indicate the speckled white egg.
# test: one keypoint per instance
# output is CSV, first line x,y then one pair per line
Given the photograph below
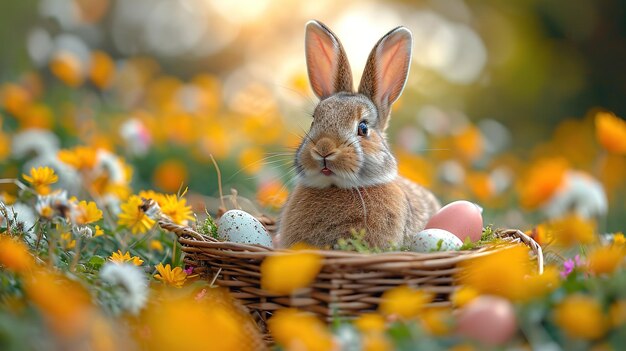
x,y
241,227
428,241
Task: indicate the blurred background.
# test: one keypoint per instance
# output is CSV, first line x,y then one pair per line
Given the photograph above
x,y
500,108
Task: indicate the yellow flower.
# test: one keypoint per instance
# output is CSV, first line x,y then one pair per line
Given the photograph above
x,y
285,273
295,330
175,277
376,342
119,257
133,217
85,213
581,316
571,230
68,68
67,241
272,194
14,255
41,178
605,259
437,320
81,157
404,301
102,70
251,159
5,146
500,273
611,132
370,322
176,209
98,232
463,295
618,239
156,245
541,181
151,194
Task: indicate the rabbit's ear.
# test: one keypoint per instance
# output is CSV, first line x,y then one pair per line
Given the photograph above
x,y
386,71
326,61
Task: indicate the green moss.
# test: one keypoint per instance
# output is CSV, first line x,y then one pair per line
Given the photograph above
x,y
488,236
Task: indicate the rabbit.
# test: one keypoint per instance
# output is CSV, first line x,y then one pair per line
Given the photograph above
x,y
347,177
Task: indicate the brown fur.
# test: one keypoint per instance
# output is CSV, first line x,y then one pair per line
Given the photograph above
x,y
320,217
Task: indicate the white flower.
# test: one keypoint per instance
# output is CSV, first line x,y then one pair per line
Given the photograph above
x,y
132,283
39,142
83,231
136,136
581,193
111,164
55,202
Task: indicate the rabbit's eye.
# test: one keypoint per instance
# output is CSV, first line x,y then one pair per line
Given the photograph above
x,y
362,130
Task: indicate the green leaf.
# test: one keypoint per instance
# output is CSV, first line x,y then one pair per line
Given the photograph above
x,y
95,262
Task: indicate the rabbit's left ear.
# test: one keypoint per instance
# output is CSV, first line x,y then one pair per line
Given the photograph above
x,y
326,61
386,71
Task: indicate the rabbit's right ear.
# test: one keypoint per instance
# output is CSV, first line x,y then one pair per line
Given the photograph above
x,y
326,61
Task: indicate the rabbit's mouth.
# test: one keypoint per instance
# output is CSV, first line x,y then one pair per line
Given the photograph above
x,y
327,172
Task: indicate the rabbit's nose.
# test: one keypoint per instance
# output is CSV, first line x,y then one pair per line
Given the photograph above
x,y
324,149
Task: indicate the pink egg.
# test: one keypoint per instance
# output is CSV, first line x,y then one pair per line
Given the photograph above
x,y
461,218
488,319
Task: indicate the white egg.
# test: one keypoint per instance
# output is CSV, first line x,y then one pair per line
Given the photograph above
x,y
430,240
241,227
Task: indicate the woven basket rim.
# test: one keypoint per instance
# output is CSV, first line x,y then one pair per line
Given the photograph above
x,y
191,238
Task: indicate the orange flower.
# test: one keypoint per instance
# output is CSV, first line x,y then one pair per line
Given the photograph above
x,y
183,323
541,182
102,70
15,99
285,273
272,194
65,303
68,68
611,132
469,143
170,175
415,168
14,255
404,301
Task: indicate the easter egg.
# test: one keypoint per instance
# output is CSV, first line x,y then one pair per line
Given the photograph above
x,y
241,227
461,218
487,319
429,240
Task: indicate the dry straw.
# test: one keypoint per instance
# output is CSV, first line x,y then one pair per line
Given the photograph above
x,y
348,284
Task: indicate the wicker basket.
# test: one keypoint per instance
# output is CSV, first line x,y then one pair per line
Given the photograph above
x,y
348,284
